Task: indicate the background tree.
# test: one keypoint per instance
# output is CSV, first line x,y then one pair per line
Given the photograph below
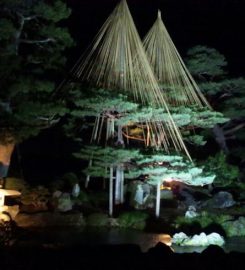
x,y
32,48
225,93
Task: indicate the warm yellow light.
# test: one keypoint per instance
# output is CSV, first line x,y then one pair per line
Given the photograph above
x,y
162,187
164,238
7,192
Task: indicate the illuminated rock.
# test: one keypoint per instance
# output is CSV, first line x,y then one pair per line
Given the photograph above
x,y
191,212
76,190
198,240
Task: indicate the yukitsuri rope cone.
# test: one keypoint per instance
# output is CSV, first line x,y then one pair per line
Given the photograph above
x,y
169,68
117,61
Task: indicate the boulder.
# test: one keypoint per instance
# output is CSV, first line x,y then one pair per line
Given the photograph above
x,y
64,202
188,198
76,190
222,199
198,240
191,212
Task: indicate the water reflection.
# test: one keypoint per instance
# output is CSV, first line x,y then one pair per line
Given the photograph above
x,y
94,236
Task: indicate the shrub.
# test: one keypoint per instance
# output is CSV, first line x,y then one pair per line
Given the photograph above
x,y
135,220
38,196
204,220
235,228
83,197
226,174
97,220
98,198
70,178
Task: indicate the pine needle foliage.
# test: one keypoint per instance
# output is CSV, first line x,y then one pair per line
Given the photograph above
x,y
117,61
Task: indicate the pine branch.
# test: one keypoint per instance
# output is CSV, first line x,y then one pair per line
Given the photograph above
x,y
18,33
236,128
28,41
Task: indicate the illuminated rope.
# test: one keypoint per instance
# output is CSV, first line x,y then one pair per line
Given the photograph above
x,y
170,69
117,61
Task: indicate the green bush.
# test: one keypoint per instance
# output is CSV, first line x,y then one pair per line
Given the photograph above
x,y
204,220
36,196
67,181
83,197
135,220
97,220
226,174
70,178
230,226
235,228
98,198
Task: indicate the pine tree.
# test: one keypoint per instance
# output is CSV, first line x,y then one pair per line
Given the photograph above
x,y
32,59
122,106
225,93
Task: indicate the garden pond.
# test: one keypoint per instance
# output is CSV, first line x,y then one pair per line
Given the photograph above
x,y
67,237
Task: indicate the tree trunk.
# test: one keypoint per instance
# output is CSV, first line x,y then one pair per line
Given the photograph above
x,y
120,140
119,186
88,176
220,138
122,186
110,130
158,199
6,151
111,193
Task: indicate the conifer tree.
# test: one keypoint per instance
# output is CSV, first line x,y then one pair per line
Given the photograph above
x,y
226,94
32,45
123,106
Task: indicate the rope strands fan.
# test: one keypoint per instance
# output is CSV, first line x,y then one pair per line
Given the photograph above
x,y
117,61
169,68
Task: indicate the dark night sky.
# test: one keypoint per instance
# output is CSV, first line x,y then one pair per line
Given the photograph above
x,y
215,23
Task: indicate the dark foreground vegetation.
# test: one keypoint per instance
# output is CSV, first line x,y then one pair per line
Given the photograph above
x,y
126,256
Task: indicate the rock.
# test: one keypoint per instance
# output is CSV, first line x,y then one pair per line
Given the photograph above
x,y
76,190
188,198
56,194
215,239
198,240
64,202
139,195
179,238
191,212
222,199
